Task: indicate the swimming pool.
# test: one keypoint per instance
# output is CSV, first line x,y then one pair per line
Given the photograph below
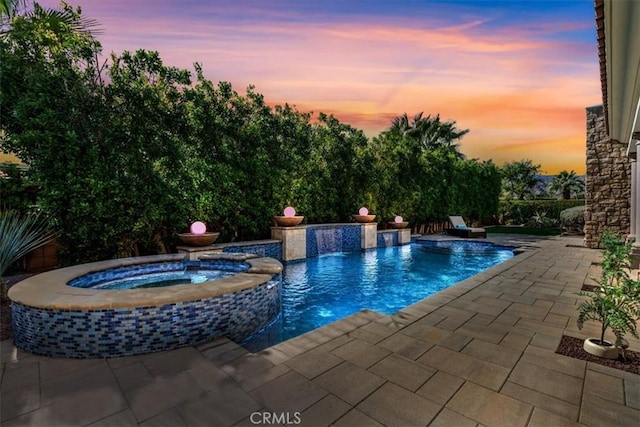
x,y
329,287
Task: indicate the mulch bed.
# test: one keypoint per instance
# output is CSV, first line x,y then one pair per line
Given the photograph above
x,y
588,288
5,320
572,347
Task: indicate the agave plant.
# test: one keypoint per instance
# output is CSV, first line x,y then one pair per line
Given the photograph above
x,y
20,234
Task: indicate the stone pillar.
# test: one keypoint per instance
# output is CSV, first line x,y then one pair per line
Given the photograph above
x,y
635,211
404,236
369,235
608,182
635,191
294,241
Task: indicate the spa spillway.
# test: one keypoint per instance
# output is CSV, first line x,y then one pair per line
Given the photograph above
x,y
83,311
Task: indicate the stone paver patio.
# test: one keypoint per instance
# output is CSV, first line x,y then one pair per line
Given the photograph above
x,y
479,353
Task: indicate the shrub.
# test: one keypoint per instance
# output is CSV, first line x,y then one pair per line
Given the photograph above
x,y
17,191
572,219
521,211
541,220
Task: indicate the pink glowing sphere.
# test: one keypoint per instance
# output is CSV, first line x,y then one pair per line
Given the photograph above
x,y
289,211
198,228
363,211
398,218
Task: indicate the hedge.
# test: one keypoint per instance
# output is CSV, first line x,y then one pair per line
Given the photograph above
x,y
521,211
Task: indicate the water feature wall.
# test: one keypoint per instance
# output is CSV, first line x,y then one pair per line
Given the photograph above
x,y
328,239
387,238
305,241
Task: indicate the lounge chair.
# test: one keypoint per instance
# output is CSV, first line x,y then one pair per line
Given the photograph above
x,y
460,229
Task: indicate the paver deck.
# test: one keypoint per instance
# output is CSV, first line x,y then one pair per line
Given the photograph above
x,y
479,353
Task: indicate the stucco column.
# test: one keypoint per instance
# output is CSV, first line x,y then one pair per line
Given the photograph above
x,y
634,199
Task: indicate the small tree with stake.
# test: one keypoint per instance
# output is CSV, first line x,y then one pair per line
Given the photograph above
x,y
616,301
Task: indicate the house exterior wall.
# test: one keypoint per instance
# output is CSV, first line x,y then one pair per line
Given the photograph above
x,y
608,182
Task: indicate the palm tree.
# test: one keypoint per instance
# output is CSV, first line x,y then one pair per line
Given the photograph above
x,y
10,9
566,183
434,133
430,132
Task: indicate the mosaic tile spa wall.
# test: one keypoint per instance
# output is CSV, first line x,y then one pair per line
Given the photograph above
x,y
137,330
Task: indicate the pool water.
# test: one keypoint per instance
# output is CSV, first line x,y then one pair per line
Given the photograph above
x,y
161,279
327,288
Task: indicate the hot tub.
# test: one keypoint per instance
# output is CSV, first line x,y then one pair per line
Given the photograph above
x,y
52,318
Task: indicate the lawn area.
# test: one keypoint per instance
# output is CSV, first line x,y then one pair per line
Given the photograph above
x,y
518,229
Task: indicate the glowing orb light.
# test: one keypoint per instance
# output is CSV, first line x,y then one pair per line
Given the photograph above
x,y
363,211
289,211
198,228
398,219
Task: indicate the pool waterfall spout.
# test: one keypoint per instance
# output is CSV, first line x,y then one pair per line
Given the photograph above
x,y
328,240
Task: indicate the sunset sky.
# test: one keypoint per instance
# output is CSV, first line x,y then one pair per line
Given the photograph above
x,y
518,74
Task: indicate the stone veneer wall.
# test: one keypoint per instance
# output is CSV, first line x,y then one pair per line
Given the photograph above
x,y
608,181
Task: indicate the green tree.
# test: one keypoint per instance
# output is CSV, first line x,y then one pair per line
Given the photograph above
x,y
18,190
338,173
477,189
55,18
430,131
519,178
129,151
426,182
565,184
99,151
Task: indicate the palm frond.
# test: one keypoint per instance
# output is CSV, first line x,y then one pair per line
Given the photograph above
x,y
68,17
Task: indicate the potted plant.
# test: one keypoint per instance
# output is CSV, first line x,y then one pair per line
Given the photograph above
x,y
616,301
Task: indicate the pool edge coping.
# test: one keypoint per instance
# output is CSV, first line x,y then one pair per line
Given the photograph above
x,y
49,290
